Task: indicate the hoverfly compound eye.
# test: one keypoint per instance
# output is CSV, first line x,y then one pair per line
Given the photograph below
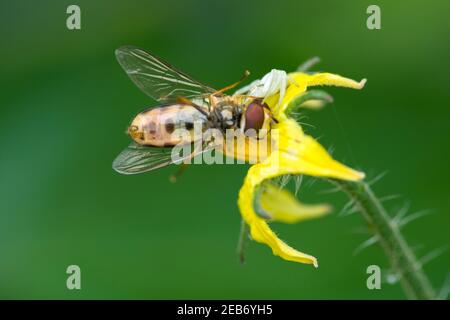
x,y
254,117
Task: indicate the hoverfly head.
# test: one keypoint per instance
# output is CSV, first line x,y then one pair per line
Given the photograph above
x,y
256,116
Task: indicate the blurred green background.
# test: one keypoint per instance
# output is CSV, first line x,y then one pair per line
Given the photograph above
x,y
65,103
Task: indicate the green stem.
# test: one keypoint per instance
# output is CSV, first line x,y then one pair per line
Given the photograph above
x,y
412,277
243,235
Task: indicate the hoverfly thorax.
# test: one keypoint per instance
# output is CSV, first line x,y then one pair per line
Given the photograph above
x,y
226,114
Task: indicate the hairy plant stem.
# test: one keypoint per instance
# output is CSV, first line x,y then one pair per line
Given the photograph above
x,y
414,281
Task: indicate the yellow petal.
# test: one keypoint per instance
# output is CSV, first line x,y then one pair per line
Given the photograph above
x,y
247,149
326,79
283,206
292,91
296,153
261,232
300,81
259,229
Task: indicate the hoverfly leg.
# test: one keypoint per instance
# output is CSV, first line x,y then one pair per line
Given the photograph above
x,y
183,166
270,113
231,86
183,100
245,96
173,178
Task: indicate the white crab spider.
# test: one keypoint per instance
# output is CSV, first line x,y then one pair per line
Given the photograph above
x,y
273,82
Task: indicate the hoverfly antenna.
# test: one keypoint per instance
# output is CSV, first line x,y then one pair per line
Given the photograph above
x,y
231,86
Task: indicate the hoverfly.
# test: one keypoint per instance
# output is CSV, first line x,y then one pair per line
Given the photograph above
x,y
184,102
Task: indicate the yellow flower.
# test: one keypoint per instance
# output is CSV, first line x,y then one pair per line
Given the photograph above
x,y
295,153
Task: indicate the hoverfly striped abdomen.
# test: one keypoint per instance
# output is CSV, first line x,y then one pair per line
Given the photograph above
x,y
167,125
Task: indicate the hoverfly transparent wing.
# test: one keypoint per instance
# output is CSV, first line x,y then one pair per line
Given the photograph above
x,y
157,78
137,158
